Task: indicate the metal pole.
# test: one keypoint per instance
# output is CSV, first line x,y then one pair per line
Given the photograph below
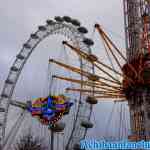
x,y
52,140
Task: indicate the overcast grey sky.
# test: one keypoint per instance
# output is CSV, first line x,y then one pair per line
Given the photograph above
x,y
20,18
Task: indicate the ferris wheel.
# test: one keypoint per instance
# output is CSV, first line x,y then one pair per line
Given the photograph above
x,y
89,80
81,111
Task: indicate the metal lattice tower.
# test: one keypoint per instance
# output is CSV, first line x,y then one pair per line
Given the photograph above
x,y
137,29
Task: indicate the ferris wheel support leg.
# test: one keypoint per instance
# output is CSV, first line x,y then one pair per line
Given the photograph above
x,y
52,140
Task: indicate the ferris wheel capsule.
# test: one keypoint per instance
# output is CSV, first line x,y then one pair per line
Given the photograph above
x,y
82,30
42,28
67,19
19,56
59,19
87,124
58,127
15,69
34,36
27,46
75,22
91,100
88,42
50,22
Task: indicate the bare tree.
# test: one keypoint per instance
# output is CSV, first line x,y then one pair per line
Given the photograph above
x,y
28,142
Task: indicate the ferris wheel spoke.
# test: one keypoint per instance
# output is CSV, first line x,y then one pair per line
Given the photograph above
x,y
19,104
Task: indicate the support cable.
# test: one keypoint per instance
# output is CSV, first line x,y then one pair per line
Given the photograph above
x,y
15,129
110,119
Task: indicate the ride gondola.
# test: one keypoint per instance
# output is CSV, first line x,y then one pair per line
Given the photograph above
x,y
50,109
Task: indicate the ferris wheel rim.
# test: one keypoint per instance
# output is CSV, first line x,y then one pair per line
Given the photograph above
x,y
15,70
